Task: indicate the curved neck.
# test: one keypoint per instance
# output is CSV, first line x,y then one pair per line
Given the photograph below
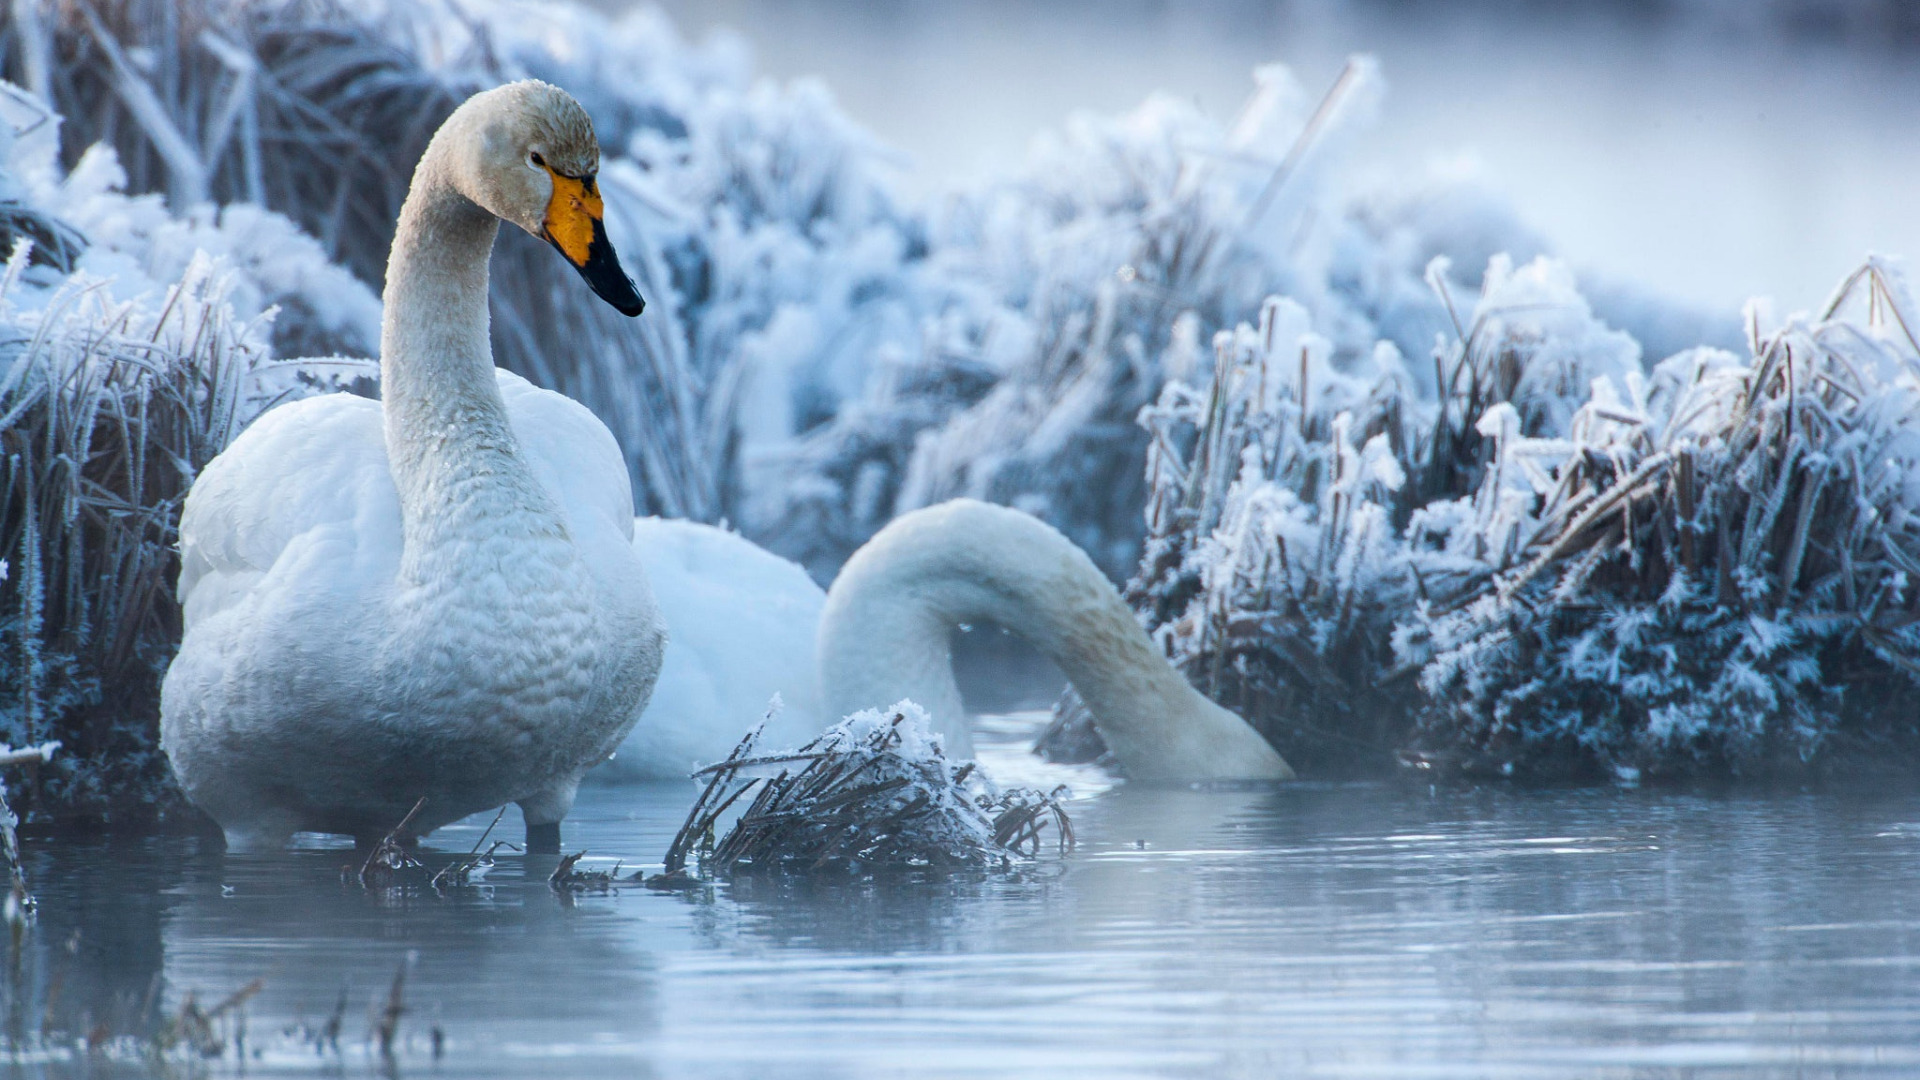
x,y
451,449
886,634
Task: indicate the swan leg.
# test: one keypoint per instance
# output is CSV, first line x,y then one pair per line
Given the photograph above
x,y
543,839
261,831
258,837
544,812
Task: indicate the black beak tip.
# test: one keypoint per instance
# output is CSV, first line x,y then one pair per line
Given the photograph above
x,y
630,305
610,283
605,277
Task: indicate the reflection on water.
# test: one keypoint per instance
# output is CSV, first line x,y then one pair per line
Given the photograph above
x,y
1304,930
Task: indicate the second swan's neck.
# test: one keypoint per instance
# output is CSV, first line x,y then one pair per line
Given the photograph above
x,y
886,634
451,449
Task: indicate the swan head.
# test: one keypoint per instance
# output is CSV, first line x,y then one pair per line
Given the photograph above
x,y
530,157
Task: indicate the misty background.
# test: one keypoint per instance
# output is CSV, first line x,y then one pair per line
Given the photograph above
x,y
1707,150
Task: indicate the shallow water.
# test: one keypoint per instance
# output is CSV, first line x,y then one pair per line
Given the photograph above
x,y
1309,930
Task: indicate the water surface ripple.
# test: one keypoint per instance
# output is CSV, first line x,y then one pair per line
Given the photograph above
x,y
1310,930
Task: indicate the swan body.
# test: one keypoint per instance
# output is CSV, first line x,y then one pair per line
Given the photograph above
x,y
435,595
743,621
884,633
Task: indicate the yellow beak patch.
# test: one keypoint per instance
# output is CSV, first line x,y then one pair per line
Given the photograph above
x,y
571,215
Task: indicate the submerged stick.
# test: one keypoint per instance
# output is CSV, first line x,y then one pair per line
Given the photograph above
x,y
460,870
387,1027
390,855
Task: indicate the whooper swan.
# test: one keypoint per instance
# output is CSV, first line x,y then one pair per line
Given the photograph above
x,y
748,624
437,594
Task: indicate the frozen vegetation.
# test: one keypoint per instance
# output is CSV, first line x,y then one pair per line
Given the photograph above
x,y
875,790
1407,490
1566,564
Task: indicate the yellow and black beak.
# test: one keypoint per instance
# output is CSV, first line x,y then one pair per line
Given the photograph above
x,y
575,229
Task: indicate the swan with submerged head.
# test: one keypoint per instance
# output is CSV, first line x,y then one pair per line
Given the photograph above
x,y
436,594
748,624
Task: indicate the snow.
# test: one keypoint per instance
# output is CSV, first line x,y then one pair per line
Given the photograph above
x,y
135,247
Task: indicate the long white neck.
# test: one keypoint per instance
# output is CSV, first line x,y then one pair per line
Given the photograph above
x,y
454,458
886,634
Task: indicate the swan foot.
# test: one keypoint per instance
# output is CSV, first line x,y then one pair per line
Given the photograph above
x,y
544,813
543,839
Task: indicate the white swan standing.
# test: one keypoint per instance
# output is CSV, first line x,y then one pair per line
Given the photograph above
x,y
434,595
883,633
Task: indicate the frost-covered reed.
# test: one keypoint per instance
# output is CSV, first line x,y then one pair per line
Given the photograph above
x,y
1562,565
1073,273
1707,568
107,411
1270,533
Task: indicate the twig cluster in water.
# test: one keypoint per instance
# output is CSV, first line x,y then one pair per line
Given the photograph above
x,y
393,862
875,790
197,1029
392,855
475,864
569,878
185,1039
387,1024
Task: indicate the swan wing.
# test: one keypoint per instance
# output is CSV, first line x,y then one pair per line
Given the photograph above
x,y
320,464
311,472
288,540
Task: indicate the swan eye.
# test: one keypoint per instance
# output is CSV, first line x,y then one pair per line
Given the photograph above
x,y
534,159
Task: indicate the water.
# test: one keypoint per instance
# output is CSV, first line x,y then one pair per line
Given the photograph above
x,y
1308,930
